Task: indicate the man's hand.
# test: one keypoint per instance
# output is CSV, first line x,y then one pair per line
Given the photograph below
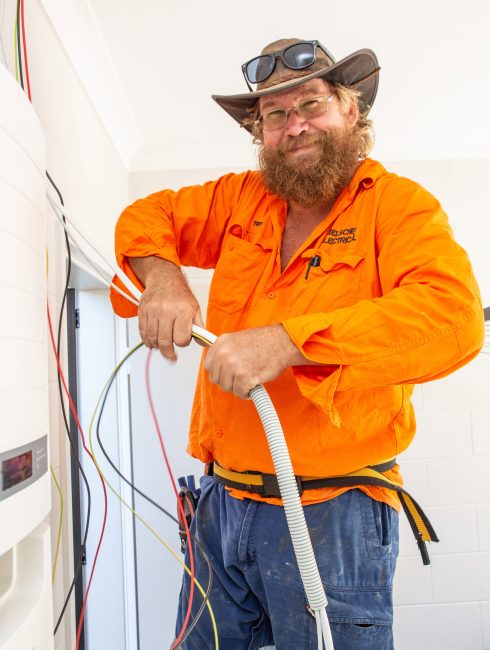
x,y
239,361
167,308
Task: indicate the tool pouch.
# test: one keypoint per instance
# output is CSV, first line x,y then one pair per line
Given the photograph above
x,y
188,499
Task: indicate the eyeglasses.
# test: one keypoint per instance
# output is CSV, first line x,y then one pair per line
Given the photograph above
x,y
306,109
297,56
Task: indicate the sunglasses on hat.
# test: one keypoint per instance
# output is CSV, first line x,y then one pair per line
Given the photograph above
x,y
296,57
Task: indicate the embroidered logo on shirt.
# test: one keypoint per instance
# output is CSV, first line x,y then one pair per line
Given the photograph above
x,y
258,223
342,236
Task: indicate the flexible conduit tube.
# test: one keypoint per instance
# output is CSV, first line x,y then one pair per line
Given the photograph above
x,y
294,511
288,488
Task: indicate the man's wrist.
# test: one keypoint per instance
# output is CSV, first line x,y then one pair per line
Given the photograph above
x,y
154,271
293,354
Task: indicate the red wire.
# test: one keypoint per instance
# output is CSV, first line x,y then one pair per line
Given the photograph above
x,y
25,50
75,415
60,372
179,504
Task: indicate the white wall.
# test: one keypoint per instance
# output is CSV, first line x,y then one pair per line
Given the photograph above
x,y
93,180
446,605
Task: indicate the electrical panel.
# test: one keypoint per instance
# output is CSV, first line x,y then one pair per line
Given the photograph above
x,y
25,556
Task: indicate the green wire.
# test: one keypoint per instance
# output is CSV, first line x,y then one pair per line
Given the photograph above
x,y
132,510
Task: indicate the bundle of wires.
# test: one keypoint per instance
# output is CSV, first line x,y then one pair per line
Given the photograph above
x,y
187,628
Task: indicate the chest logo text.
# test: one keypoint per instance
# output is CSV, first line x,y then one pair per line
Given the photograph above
x,y
341,236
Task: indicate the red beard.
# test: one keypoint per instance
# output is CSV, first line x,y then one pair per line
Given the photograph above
x,y
315,177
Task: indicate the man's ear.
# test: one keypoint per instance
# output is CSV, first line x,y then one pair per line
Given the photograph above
x,y
353,112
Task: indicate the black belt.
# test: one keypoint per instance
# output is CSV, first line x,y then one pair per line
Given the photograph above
x,y
267,486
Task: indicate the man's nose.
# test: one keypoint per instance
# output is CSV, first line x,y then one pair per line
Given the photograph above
x,y
296,124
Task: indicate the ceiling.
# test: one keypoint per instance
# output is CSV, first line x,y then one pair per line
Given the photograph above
x,y
167,58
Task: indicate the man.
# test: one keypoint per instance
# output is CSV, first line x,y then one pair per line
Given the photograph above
x,y
339,286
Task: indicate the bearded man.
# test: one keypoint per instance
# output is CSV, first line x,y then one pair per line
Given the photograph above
x,y
338,285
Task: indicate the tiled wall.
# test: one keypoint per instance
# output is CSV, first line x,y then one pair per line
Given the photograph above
x,y
447,605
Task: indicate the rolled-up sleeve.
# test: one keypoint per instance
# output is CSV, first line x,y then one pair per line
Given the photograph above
x,y
427,323
185,227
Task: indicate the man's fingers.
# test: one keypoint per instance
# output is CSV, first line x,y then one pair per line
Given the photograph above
x,y
198,318
148,330
142,324
166,322
182,332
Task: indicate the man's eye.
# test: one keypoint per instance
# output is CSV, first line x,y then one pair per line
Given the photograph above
x,y
310,105
275,115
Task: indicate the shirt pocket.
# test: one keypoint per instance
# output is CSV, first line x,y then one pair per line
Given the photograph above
x,y
237,273
335,282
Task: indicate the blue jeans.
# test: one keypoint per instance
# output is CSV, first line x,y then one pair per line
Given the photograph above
x,y
258,597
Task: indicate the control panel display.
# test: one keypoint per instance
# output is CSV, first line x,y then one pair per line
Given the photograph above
x,y
16,469
22,466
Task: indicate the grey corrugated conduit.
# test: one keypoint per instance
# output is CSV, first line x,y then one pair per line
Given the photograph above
x,y
295,517
293,509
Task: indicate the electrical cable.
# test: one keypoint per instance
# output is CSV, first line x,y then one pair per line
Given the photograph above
x,y
128,284
26,63
102,398
75,415
18,57
74,451
60,210
104,278
180,506
199,613
104,451
18,60
56,555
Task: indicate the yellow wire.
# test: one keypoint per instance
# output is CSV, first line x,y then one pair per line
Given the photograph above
x,y
59,525
15,48
201,338
145,523
53,573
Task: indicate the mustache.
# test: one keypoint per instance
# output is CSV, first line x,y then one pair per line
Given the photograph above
x,y
302,140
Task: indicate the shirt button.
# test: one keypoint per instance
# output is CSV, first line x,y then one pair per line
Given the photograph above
x,y
219,433
271,294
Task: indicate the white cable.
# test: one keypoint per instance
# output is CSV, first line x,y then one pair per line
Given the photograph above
x,y
102,277
319,634
327,633
59,209
200,331
288,487
107,280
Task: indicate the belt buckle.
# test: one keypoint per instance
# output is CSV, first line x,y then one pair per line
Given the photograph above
x,y
271,486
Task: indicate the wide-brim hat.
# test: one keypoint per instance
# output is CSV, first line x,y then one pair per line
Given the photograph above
x,y
359,70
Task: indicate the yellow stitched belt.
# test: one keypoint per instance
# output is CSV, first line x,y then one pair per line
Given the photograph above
x,y
267,486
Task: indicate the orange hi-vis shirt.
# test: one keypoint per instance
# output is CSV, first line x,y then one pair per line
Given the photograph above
x,y
393,302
